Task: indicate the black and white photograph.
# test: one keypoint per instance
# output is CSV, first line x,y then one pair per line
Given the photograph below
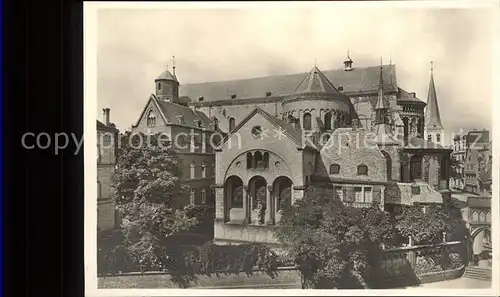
x,y
290,146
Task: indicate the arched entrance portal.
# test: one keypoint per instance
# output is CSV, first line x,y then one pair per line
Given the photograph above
x,y
233,199
481,247
258,199
282,196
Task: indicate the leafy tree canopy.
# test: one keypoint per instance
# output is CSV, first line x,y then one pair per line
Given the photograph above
x,y
147,192
332,244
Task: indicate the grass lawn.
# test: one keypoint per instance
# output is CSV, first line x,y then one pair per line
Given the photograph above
x,y
285,280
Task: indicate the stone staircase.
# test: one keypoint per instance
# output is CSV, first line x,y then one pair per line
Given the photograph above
x,y
479,273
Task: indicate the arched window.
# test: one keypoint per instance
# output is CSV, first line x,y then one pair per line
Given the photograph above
x,y
258,160
307,121
328,121
362,169
159,86
151,120
203,170
192,170
438,138
429,137
334,169
249,160
232,124
266,160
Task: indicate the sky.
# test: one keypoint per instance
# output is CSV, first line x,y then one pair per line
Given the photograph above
x,y
135,45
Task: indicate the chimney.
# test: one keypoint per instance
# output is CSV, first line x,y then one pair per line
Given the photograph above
x,y
105,112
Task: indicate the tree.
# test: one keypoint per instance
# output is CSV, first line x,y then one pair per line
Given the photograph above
x,y
334,246
428,227
148,193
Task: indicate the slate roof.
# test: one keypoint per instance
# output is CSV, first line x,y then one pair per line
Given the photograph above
x,y
167,76
315,82
478,136
358,81
102,127
287,129
432,116
171,111
404,96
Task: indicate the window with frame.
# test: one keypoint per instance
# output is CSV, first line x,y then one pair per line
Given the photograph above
x,y
192,168
358,194
203,196
368,194
429,137
340,192
362,169
203,170
192,197
334,169
438,137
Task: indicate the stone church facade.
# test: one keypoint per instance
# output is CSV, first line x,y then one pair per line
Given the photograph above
x,y
351,130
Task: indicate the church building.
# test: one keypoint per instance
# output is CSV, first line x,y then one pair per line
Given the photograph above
x,y
352,130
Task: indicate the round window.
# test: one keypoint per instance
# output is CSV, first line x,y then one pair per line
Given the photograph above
x,y
257,131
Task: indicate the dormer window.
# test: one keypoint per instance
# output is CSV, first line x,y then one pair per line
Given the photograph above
x,y
197,123
334,169
180,119
201,98
362,169
268,94
233,96
340,88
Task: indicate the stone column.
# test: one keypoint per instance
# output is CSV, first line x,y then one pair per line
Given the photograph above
x,y
269,206
407,168
247,208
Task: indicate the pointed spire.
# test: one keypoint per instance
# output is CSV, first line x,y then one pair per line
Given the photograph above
x,y
432,115
173,65
384,133
381,104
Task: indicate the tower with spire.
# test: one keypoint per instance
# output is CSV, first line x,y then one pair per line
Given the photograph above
x,y
384,132
434,130
167,85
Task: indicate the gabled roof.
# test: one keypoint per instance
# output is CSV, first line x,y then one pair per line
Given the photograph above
x,y
432,116
315,82
404,96
358,81
287,129
102,127
170,112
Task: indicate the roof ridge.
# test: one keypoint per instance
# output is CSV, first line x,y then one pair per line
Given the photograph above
x,y
283,74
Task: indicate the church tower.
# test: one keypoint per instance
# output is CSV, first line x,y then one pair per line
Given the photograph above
x,y
167,86
434,130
